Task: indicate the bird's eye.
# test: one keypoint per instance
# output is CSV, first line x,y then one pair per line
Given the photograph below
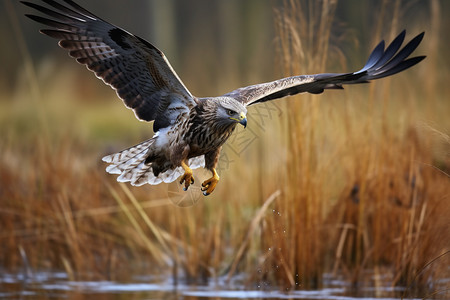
x,y
230,112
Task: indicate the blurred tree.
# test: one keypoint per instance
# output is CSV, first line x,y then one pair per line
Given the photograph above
x,y
227,43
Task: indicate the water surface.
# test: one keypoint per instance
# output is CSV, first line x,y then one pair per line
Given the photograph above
x,y
56,285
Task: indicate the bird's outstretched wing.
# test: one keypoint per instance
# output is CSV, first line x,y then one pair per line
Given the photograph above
x,y
381,63
138,71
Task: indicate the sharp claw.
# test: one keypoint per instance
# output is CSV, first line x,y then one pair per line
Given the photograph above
x,y
209,185
187,179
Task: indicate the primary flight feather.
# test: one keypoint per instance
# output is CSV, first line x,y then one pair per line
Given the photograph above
x,y
189,131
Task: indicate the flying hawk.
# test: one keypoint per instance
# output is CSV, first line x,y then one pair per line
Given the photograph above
x,y
189,131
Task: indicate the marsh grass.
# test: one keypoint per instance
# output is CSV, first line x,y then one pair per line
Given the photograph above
x,y
382,215
340,183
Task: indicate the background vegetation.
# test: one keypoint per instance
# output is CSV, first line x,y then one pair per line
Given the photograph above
x,y
348,183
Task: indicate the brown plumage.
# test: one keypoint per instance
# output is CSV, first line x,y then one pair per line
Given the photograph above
x,y
189,131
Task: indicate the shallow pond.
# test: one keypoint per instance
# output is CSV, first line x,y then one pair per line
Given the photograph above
x,y
55,285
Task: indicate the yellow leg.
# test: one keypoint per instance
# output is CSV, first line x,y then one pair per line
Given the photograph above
x,y
209,185
187,178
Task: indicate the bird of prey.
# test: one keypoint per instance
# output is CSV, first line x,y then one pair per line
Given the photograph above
x,y
189,131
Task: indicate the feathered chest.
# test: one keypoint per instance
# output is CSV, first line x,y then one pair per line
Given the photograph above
x,y
205,133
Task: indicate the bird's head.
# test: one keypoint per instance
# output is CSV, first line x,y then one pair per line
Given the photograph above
x,y
230,111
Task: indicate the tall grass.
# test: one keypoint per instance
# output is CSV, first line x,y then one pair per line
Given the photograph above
x,y
379,161
340,183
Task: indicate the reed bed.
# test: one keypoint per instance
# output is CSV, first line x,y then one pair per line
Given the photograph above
x,y
341,183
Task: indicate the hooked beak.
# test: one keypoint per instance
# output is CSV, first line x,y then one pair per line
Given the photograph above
x,y
241,120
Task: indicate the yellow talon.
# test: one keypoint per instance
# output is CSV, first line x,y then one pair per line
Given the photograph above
x,y
209,185
187,178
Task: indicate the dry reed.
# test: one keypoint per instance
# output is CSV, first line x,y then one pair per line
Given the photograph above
x,y
381,217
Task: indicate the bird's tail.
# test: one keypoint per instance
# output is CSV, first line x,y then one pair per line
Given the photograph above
x,y
130,165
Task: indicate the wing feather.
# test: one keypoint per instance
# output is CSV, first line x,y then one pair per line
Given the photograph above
x,y
138,71
381,63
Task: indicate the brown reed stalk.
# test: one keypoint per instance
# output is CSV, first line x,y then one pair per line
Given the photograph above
x,y
384,213
303,29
